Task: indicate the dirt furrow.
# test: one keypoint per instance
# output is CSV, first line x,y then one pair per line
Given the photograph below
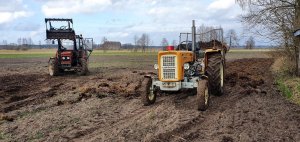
x,y
105,106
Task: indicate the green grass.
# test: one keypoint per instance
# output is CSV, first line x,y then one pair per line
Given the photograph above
x,y
244,53
298,87
38,135
287,92
116,63
45,53
4,136
290,87
33,53
120,58
249,50
121,53
30,113
288,84
293,84
20,56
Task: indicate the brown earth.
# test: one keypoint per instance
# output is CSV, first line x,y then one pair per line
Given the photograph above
x,y
105,106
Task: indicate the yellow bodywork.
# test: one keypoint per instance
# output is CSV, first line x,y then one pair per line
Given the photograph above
x,y
181,58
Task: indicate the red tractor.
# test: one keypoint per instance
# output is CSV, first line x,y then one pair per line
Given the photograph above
x,y
73,50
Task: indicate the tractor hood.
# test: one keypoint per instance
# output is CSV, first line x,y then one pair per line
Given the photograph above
x,y
66,53
171,64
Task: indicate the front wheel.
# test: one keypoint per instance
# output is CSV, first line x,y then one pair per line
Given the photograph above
x,y
202,95
215,73
53,67
84,67
148,93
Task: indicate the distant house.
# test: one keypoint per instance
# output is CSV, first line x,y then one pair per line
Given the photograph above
x,y
297,33
113,45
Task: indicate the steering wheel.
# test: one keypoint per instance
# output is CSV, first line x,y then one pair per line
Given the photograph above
x,y
63,27
185,41
186,46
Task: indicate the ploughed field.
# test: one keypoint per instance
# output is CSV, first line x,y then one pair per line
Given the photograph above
x,y
105,105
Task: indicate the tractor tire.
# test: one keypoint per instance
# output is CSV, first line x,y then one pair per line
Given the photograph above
x,y
215,73
202,95
148,95
53,67
84,67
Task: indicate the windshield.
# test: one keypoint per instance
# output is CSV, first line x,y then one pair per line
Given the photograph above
x,y
67,44
63,25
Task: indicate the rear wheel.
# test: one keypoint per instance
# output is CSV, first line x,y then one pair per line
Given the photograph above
x,y
215,73
84,67
202,95
148,93
53,67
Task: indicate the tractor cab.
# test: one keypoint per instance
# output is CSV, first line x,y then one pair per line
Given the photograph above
x,y
73,50
186,43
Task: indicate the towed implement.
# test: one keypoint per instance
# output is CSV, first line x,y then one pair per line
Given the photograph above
x,y
196,65
73,50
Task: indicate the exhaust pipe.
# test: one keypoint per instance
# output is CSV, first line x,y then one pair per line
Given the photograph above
x,y
193,36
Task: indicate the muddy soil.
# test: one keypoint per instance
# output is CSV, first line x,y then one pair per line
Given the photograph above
x,y
105,106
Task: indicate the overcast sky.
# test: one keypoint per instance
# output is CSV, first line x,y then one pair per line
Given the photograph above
x,y
118,20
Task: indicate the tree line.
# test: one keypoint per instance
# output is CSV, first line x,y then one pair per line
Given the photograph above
x,y
275,20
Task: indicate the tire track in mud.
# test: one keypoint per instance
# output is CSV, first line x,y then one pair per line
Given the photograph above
x,y
250,110
92,133
32,89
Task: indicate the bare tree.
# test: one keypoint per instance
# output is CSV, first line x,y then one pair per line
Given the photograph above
x,y
174,43
4,42
40,44
30,41
276,20
48,42
204,36
24,42
19,41
164,43
232,38
209,33
147,40
250,43
135,38
103,40
144,41
103,45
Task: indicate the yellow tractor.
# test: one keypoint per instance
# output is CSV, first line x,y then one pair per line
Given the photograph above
x,y
192,65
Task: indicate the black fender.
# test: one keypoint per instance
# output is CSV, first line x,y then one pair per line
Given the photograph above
x,y
51,58
148,76
204,77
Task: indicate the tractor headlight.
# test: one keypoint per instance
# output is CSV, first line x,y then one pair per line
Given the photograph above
x,y
156,66
68,58
186,66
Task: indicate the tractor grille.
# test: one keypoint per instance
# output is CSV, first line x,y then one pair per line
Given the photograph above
x,y
168,63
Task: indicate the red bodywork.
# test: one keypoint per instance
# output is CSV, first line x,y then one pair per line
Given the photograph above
x,y
66,57
170,48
